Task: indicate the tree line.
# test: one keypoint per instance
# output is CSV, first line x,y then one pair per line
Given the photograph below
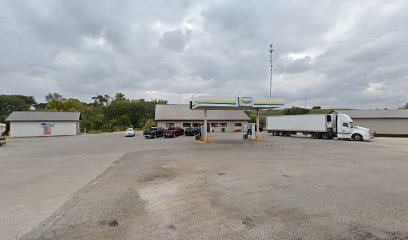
x,y
106,113
103,113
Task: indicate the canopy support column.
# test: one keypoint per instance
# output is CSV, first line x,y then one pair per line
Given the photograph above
x,y
257,120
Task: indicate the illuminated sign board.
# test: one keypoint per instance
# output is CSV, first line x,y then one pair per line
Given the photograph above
x,y
245,101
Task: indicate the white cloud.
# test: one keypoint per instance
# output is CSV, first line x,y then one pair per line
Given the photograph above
x,y
177,49
375,88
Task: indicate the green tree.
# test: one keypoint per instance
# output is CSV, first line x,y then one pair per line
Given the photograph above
x,y
28,100
316,107
104,114
121,123
54,97
94,119
11,103
73,105
41,106
119,96
149,123
296,111
102,100
405,107
117,109
56,106
159,101
140,112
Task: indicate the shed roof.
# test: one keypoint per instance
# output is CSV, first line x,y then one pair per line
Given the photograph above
x,y
29,116
391,113
183,112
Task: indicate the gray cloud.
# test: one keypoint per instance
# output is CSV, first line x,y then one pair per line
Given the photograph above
x,y
176,39
335,54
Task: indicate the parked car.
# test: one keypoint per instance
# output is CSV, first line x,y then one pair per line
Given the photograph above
x,y
153,132
192,131
130,132
173,132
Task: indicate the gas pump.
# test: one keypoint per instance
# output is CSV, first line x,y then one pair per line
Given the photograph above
x,y
250,132
198,137
202,137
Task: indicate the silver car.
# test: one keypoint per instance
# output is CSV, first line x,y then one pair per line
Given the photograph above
x,y
130,132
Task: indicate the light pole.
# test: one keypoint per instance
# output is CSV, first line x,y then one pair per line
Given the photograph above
x,y
270,80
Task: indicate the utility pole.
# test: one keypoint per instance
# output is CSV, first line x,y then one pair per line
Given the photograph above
x,y
270,80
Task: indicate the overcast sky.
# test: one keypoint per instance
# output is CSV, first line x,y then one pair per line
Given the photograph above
x,y
334,53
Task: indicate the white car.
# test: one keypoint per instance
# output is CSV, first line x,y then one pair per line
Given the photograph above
x,y
130,132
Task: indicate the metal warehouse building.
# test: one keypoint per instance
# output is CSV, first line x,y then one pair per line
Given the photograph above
x,y
33,124
181,115
385,122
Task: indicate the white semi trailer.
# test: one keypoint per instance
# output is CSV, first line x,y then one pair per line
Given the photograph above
x,y
326,126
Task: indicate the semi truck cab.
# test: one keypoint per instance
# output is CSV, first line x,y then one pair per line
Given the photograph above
x,y
347,130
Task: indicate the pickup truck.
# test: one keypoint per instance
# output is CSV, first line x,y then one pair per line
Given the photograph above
x,y
2,140
192,131
2,131
173,132
153,132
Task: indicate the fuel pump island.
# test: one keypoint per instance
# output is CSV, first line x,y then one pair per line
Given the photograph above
x,y
238,103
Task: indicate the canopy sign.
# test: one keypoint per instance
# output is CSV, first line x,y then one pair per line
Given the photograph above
x,y
237,103
245,102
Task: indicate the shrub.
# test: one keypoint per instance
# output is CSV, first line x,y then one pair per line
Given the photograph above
x,y
149,123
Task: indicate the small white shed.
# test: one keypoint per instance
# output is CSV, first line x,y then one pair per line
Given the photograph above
x,y
35,124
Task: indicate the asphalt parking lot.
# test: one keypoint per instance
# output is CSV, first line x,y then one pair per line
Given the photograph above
x,y
110,187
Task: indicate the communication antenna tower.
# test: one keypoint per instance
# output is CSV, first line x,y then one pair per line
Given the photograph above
x,y
270,80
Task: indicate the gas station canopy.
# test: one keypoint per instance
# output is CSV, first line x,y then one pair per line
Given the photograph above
x,y
239,103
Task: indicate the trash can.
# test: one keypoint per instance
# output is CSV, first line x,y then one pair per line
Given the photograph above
x,y
222,129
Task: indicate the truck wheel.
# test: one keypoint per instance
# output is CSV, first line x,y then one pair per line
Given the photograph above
x,y
281,134
325,136
357,137
315,135
174,135
154,136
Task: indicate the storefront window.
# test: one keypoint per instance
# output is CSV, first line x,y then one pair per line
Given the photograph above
x,y
223,124
196,124
214,124
186,124
238,124
169,124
